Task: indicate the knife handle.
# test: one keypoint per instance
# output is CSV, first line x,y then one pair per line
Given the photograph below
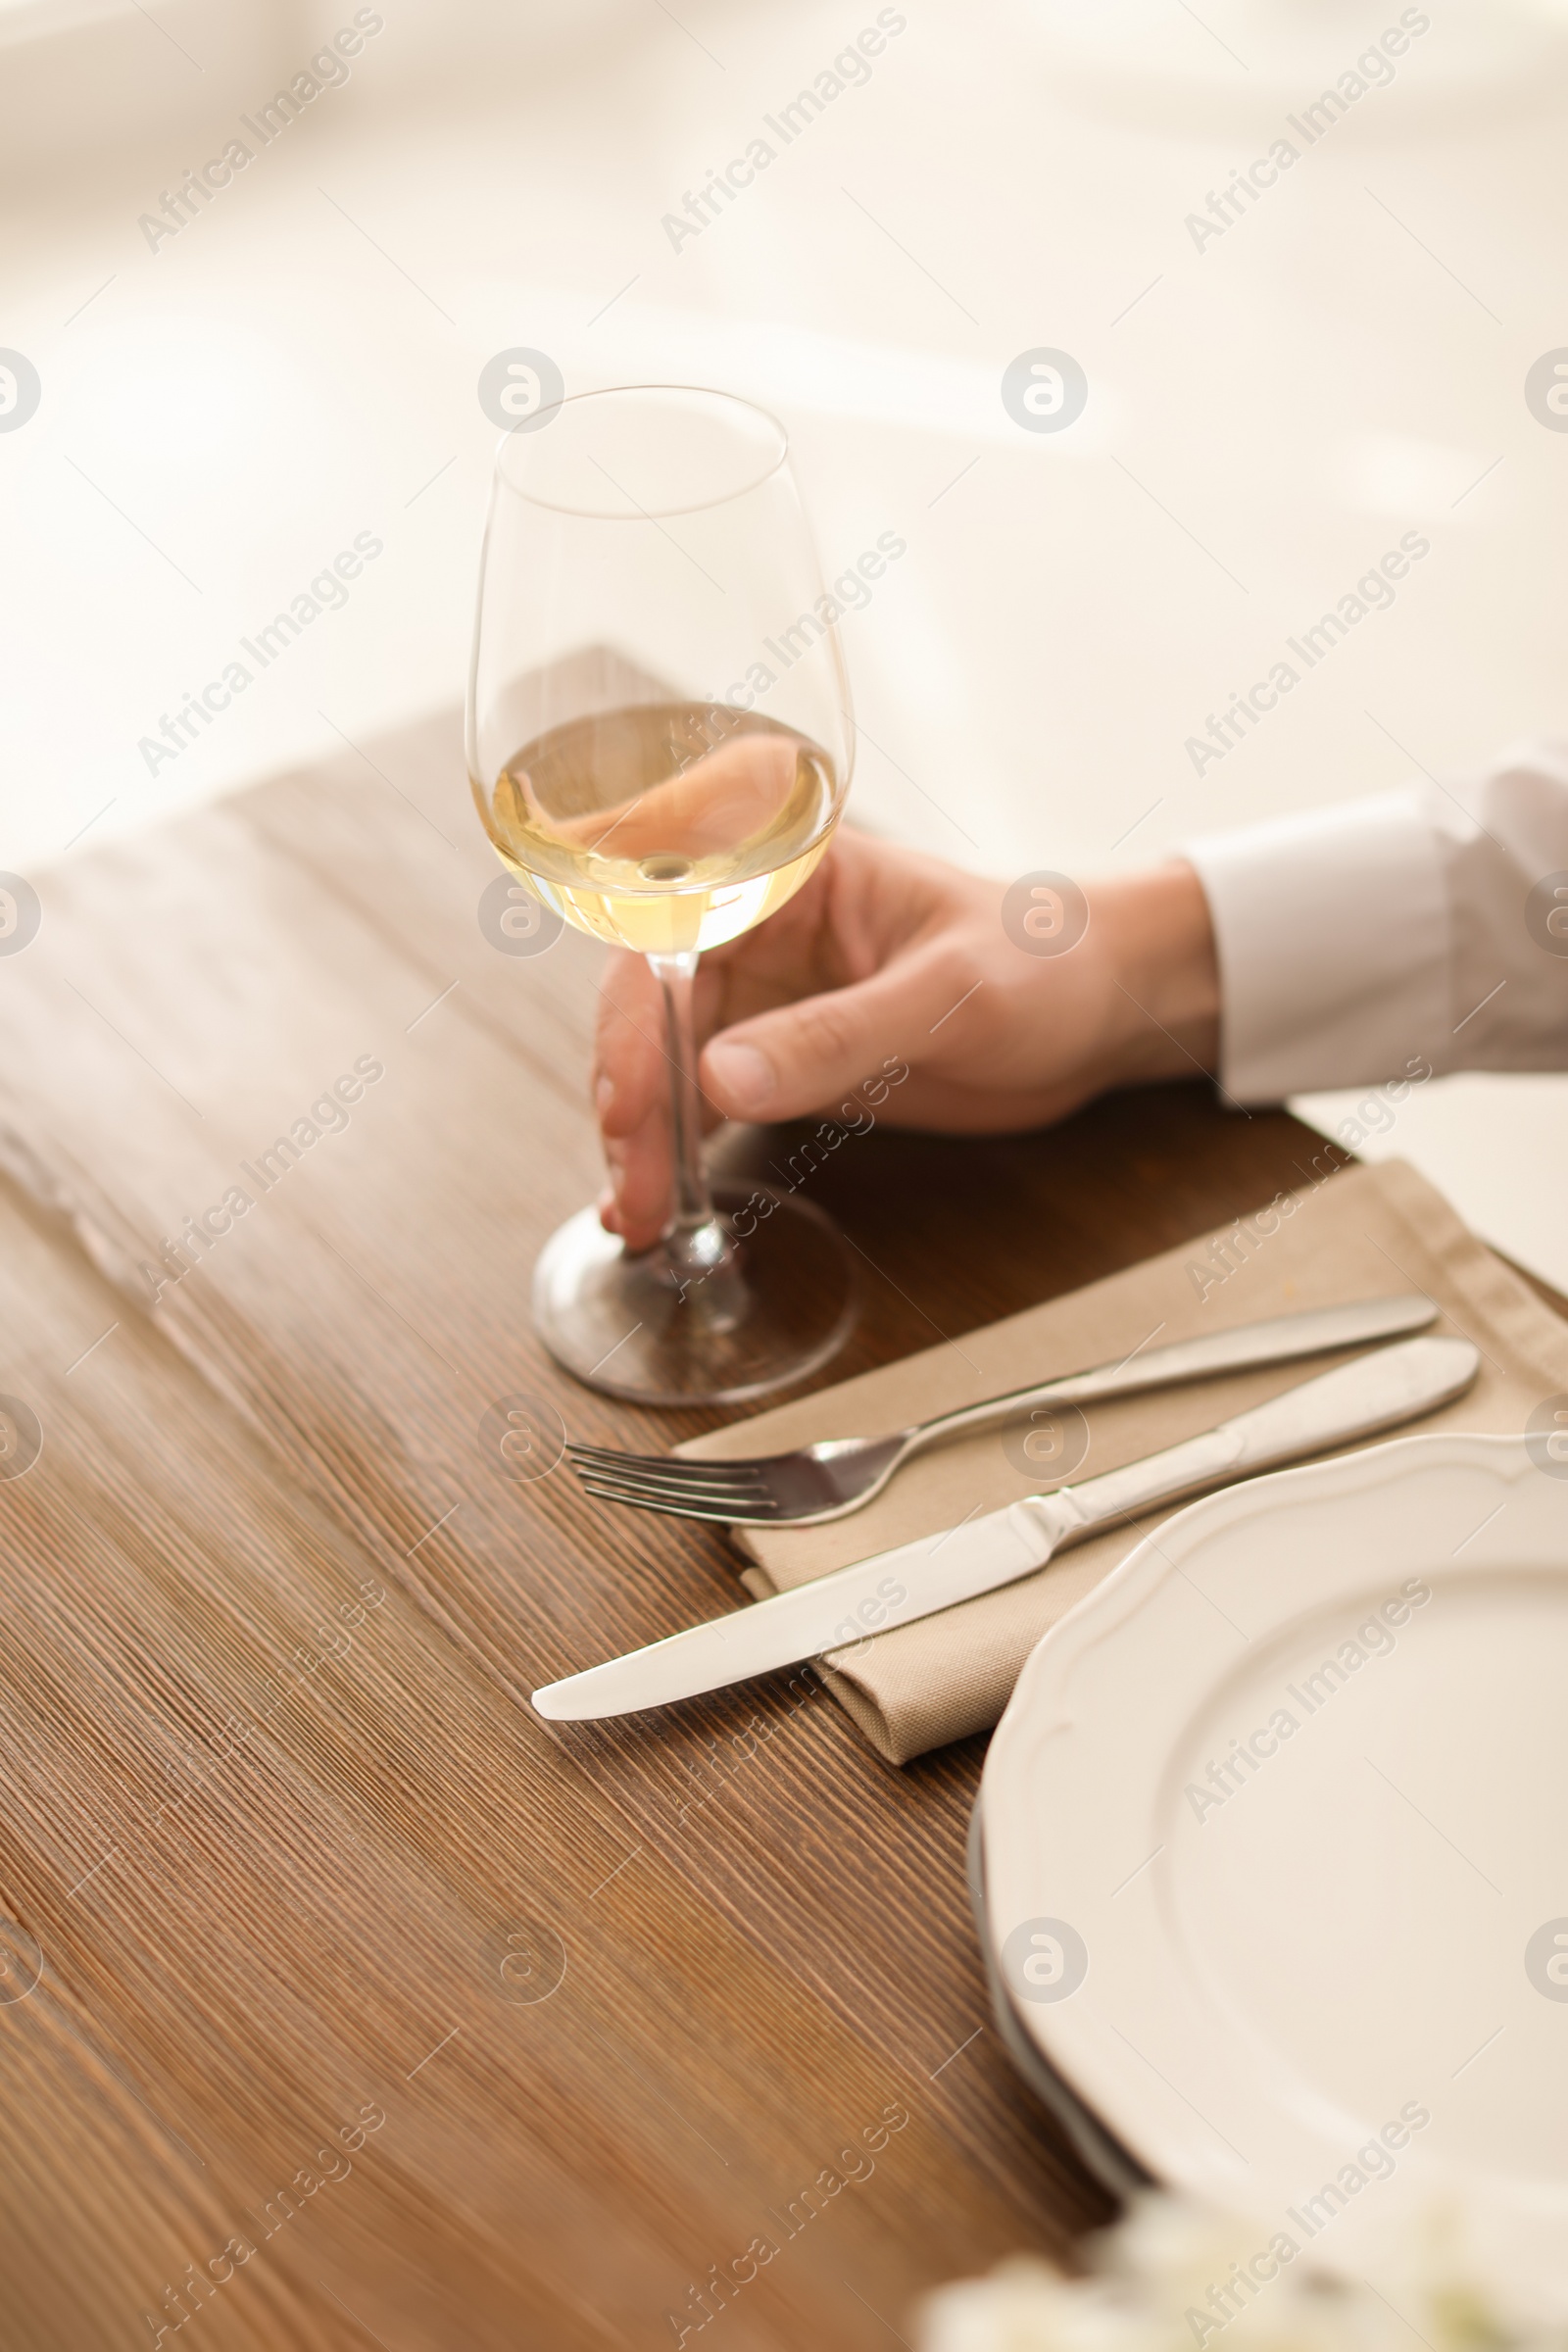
x,y
1275,1342
1376,1392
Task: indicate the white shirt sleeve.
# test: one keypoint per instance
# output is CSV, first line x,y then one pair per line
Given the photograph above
x,y
1357,940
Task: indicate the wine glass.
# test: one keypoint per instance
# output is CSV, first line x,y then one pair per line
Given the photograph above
x,y
660,744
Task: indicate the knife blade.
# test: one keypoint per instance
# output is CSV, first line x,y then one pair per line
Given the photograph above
x,y
833,1613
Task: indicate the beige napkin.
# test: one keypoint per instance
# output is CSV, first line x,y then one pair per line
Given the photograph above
x,y
1365,1232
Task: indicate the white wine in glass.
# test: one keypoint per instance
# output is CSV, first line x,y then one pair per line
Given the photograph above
x,y
659,748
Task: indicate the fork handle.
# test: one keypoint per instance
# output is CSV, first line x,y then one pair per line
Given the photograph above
x,y
1279,1341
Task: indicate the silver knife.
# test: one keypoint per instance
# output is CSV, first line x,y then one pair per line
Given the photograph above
x,y
915,1579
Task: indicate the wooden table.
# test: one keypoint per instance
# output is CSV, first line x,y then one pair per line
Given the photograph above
x,y
347,2003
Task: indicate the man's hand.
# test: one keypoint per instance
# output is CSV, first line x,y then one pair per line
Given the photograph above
x,y
887,957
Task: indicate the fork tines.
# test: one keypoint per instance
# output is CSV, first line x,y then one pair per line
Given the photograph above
x,y
725,1492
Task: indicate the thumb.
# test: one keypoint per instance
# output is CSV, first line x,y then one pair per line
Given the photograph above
x,y
783,1063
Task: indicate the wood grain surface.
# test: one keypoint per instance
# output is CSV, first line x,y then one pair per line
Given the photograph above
x,y
620,2034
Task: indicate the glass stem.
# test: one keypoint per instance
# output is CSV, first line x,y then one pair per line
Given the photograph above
x,y
694,1239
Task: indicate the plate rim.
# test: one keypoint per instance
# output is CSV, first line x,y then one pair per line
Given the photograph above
x,y
1042,1691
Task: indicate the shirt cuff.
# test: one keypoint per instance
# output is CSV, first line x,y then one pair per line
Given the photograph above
x,y
1331,930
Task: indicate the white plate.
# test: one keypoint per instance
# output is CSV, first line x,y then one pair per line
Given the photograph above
x,y
1260,1993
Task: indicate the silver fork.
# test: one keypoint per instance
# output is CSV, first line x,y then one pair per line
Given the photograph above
x,y
838,1475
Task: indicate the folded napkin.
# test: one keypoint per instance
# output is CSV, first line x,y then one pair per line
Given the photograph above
x,y
1365,1232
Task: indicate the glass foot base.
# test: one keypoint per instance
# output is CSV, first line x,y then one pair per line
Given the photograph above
x,y
625,1324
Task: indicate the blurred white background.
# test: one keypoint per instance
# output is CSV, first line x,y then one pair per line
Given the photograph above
x,y
1267,412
